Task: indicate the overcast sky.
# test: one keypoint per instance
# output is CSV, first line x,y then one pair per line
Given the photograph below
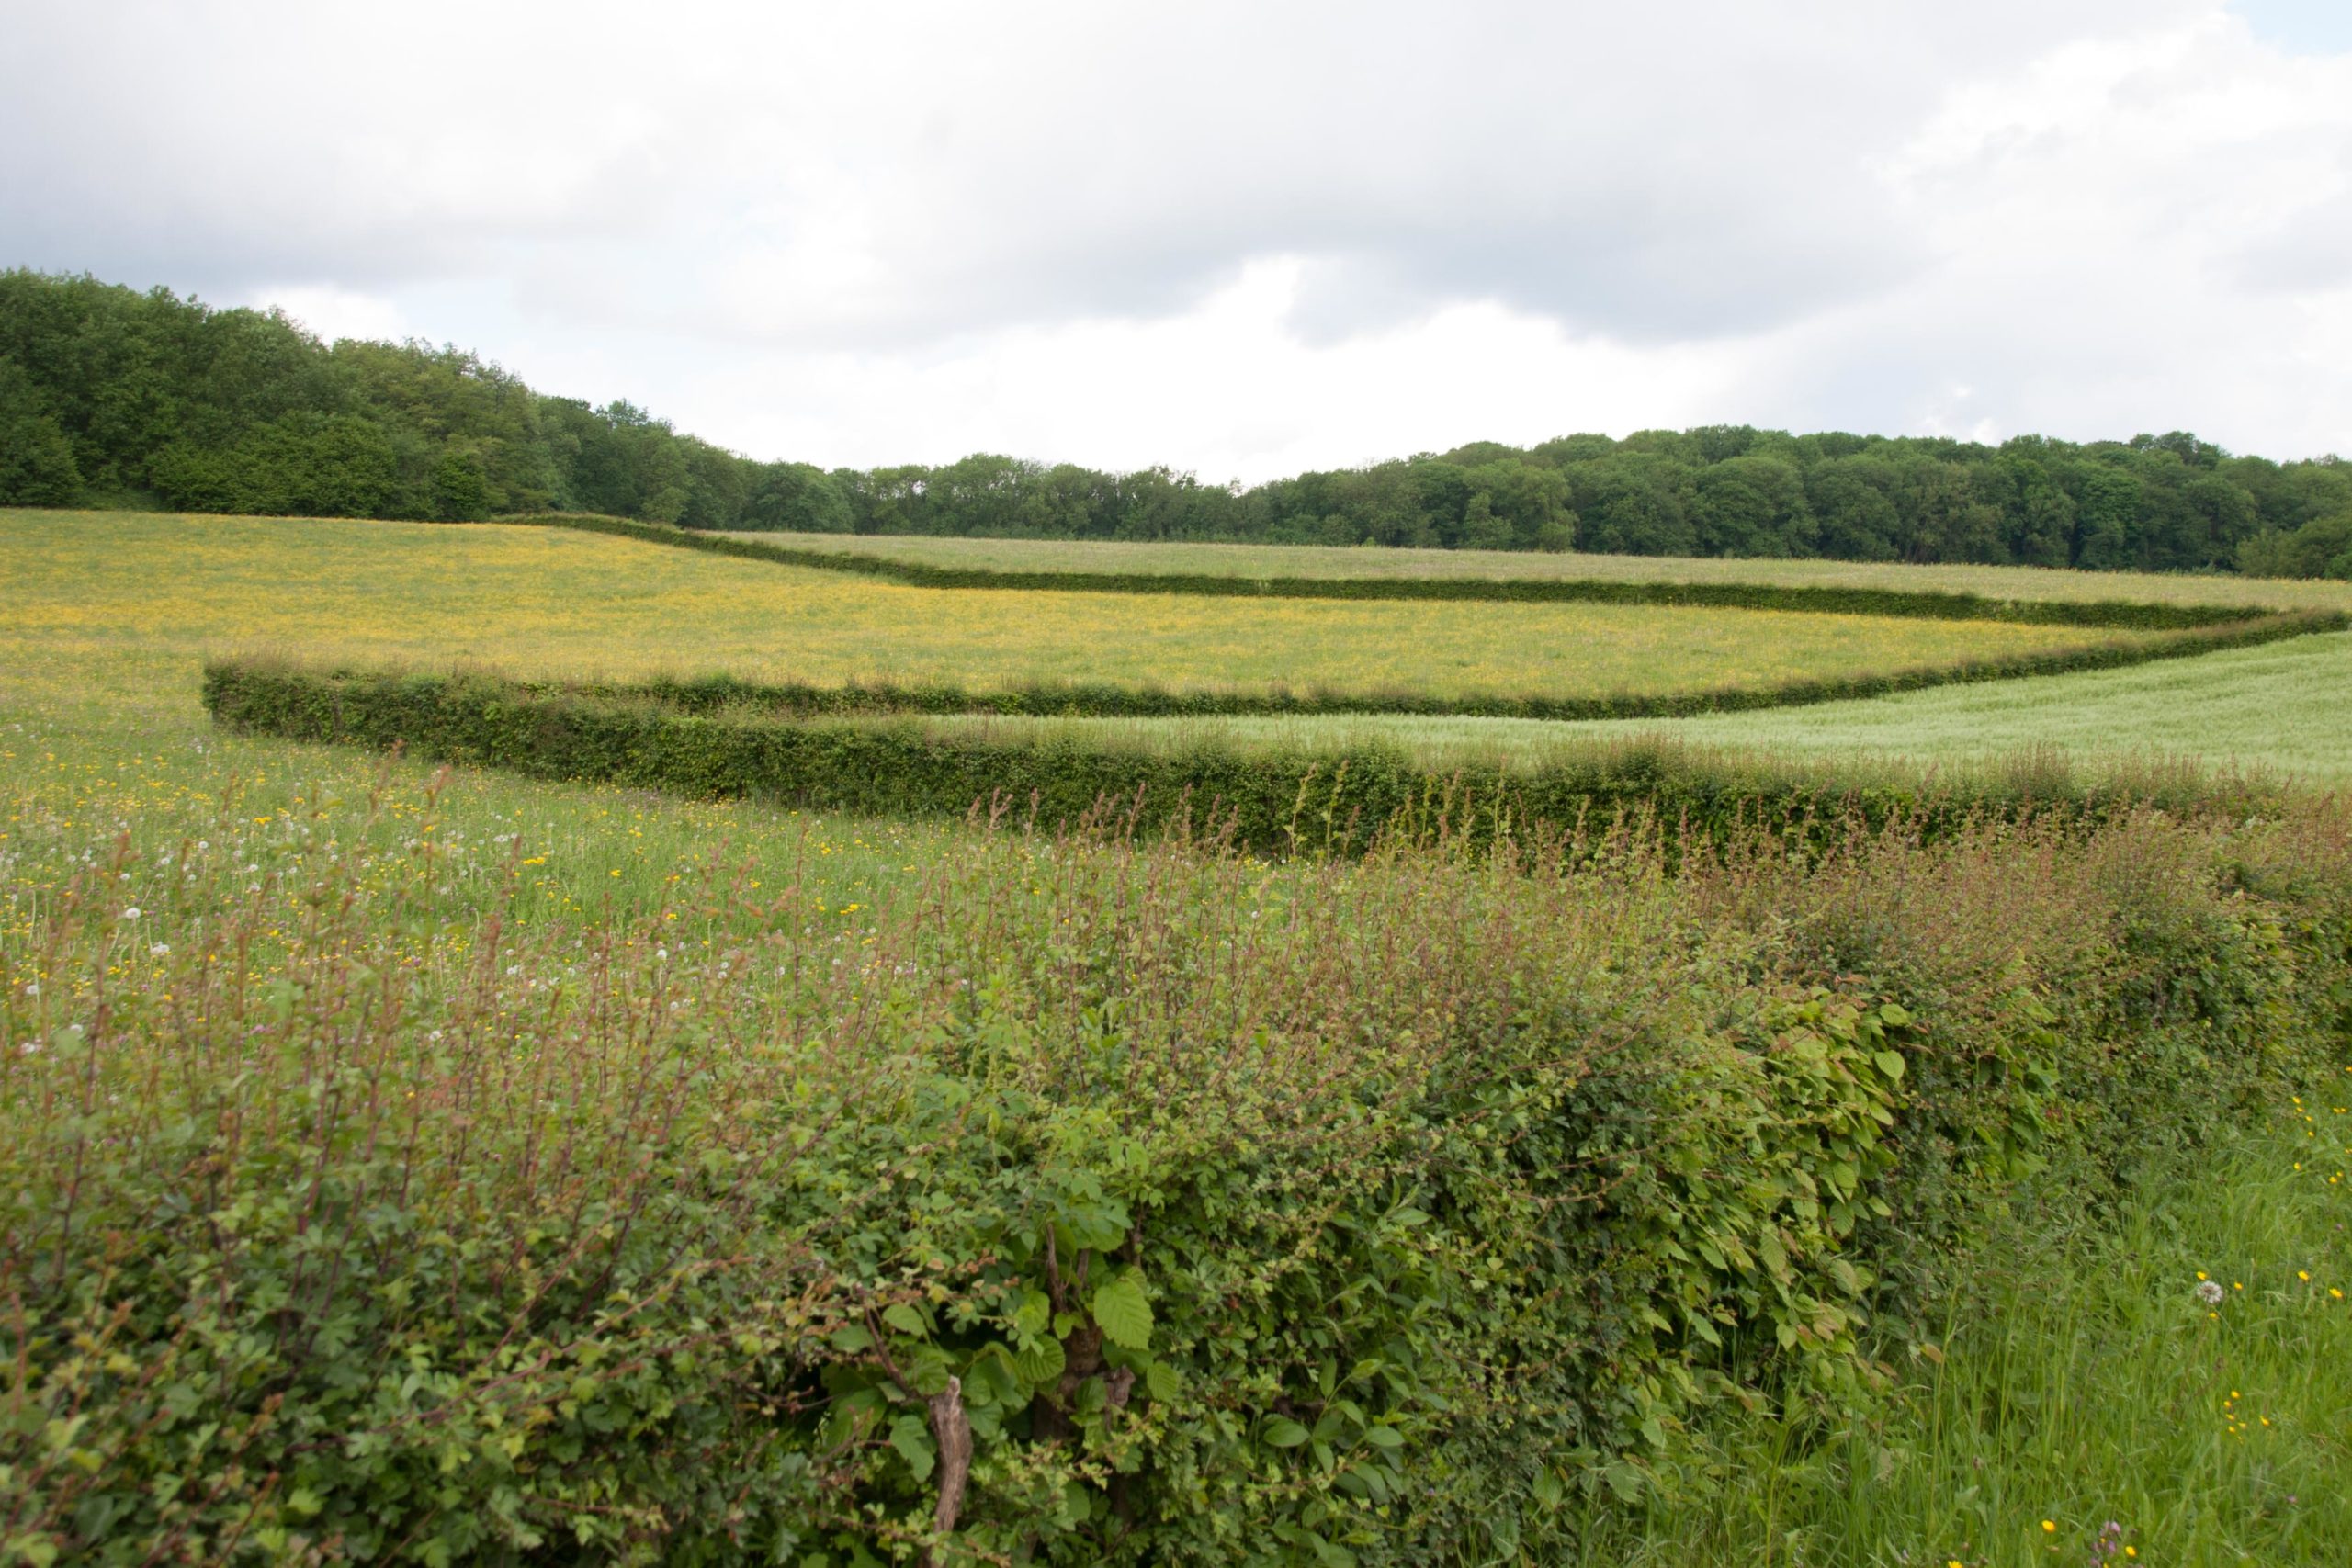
x,y
1244,239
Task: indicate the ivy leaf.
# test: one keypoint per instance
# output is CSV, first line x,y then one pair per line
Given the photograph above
x,y
912,1439
1284,1433
1124,1312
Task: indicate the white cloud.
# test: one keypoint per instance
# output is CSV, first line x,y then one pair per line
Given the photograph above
x,y
1240,238
329,313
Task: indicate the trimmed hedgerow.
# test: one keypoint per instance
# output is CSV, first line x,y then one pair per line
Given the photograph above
x,y
1269,800
716,693
1814,599
1089,1202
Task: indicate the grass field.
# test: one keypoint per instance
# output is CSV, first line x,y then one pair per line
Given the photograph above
x,y
1267,561
89,588
203,936
2276,709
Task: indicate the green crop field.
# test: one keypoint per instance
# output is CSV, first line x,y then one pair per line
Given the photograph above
x,y
481,1154
2277,709
1320,562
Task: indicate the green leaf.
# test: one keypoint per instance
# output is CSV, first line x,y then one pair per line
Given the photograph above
x,y
905,1319
1623,1480
1164,1381
1284,1433
852,1338
1891,1064
1124,1312
1040,1363
1383,1437
1893,1016
912,1439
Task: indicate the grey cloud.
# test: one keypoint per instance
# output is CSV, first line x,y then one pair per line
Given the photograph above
x,y
1657,174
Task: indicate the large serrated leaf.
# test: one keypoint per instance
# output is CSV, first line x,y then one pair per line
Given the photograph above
x,y
1123,1313
1041,1362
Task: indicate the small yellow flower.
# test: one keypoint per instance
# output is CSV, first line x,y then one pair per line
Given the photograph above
x,y
2049,1527
2304,1275
2201,1273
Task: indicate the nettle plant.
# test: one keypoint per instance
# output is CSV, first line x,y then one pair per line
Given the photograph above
x,y
1093,1201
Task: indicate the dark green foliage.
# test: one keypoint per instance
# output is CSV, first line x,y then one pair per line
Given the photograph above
x,y
1350,1212
1270,801
37,465
220,410
2321,548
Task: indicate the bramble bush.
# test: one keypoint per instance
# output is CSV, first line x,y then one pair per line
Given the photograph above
x,y
1096,1200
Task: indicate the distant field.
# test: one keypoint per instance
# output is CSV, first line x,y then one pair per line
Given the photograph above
x,y
1319,561
92,592
2279,708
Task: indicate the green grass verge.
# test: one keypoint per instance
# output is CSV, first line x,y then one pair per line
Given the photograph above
x,y
2086,1402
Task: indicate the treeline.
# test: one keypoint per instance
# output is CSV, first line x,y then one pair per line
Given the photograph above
x,y
112,397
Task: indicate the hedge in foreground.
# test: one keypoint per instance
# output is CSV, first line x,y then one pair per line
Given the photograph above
x,y
1267,800
1093,1204
1816,599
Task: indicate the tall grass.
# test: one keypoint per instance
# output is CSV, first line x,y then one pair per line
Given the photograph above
x,y
2082,1404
